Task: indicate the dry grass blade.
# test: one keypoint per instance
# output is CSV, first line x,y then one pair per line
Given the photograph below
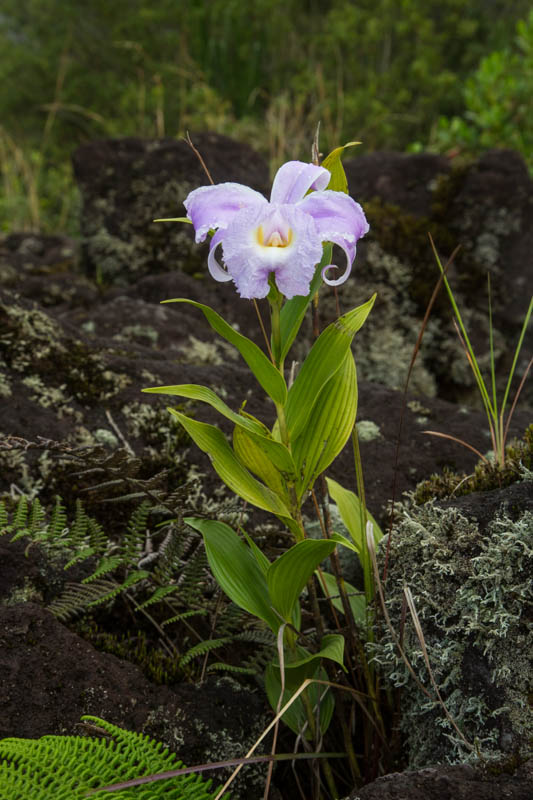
x,y
419,633
267,730
372,550
421,639
517,395
281,656
459,441
175,773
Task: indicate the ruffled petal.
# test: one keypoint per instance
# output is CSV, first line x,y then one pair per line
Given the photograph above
x,y
338,219
295,178
250,260
212,207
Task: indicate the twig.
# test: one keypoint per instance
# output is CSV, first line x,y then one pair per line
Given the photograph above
x,y
198,156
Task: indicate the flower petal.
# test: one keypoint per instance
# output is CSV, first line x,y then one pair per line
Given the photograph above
x,y
213,266
250,260
295,178
212,207
338,219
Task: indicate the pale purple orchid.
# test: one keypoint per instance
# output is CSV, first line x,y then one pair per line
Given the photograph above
x,y
283,236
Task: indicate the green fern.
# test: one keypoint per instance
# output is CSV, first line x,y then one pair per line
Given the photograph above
x,y
76,598
221,666
160,567
71,767
202,648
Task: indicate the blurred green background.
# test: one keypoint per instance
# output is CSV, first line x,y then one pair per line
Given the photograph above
x,y
454,76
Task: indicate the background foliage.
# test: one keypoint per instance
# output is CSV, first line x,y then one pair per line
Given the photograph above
x,y
388,72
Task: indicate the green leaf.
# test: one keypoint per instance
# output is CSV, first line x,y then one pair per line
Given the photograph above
x,y
349,506
266,373
289,573
174,219
278,454
329,426
212,441
328,584
305,664
293,312
255,458
333,162
324,359
260,557
331,646
236,569
296,715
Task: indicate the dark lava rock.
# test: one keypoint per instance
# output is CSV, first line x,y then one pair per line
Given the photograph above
x,y
128,183
468,564
75,376
401,180
461,782
51,677
485,208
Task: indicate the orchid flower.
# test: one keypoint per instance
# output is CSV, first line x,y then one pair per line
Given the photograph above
x,y
282,236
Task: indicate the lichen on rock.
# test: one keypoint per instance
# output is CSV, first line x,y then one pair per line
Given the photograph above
x,y
473,594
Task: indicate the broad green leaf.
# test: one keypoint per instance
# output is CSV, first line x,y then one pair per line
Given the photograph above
x,y
329,425
266,373
258,554
297,670
212,441
278,454
324,359
255,458
349,506
333,162
293,312
196,391
296,715
289,573
328,584
340,539
235,569
302,667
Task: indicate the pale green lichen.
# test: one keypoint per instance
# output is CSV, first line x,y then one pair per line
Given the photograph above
x,y
5,385
130,332
198,351
21,476
367,430
473,594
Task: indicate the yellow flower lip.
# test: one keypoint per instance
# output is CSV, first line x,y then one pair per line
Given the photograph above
x,y
276,239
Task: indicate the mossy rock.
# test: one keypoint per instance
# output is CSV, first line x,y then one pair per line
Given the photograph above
x,y
473,594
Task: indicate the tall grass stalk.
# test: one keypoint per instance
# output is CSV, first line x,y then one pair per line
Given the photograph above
x,y
498,423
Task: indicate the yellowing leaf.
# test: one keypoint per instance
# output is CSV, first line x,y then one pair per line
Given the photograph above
x,y
333,162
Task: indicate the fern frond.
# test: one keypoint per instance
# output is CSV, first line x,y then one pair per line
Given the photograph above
x,y
160,593
135,534
192,580
20,520
37,517
58,520
198,612
82,555
105,566
77,597
70,767
202,648
220,666
257,636
133,577
4,518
